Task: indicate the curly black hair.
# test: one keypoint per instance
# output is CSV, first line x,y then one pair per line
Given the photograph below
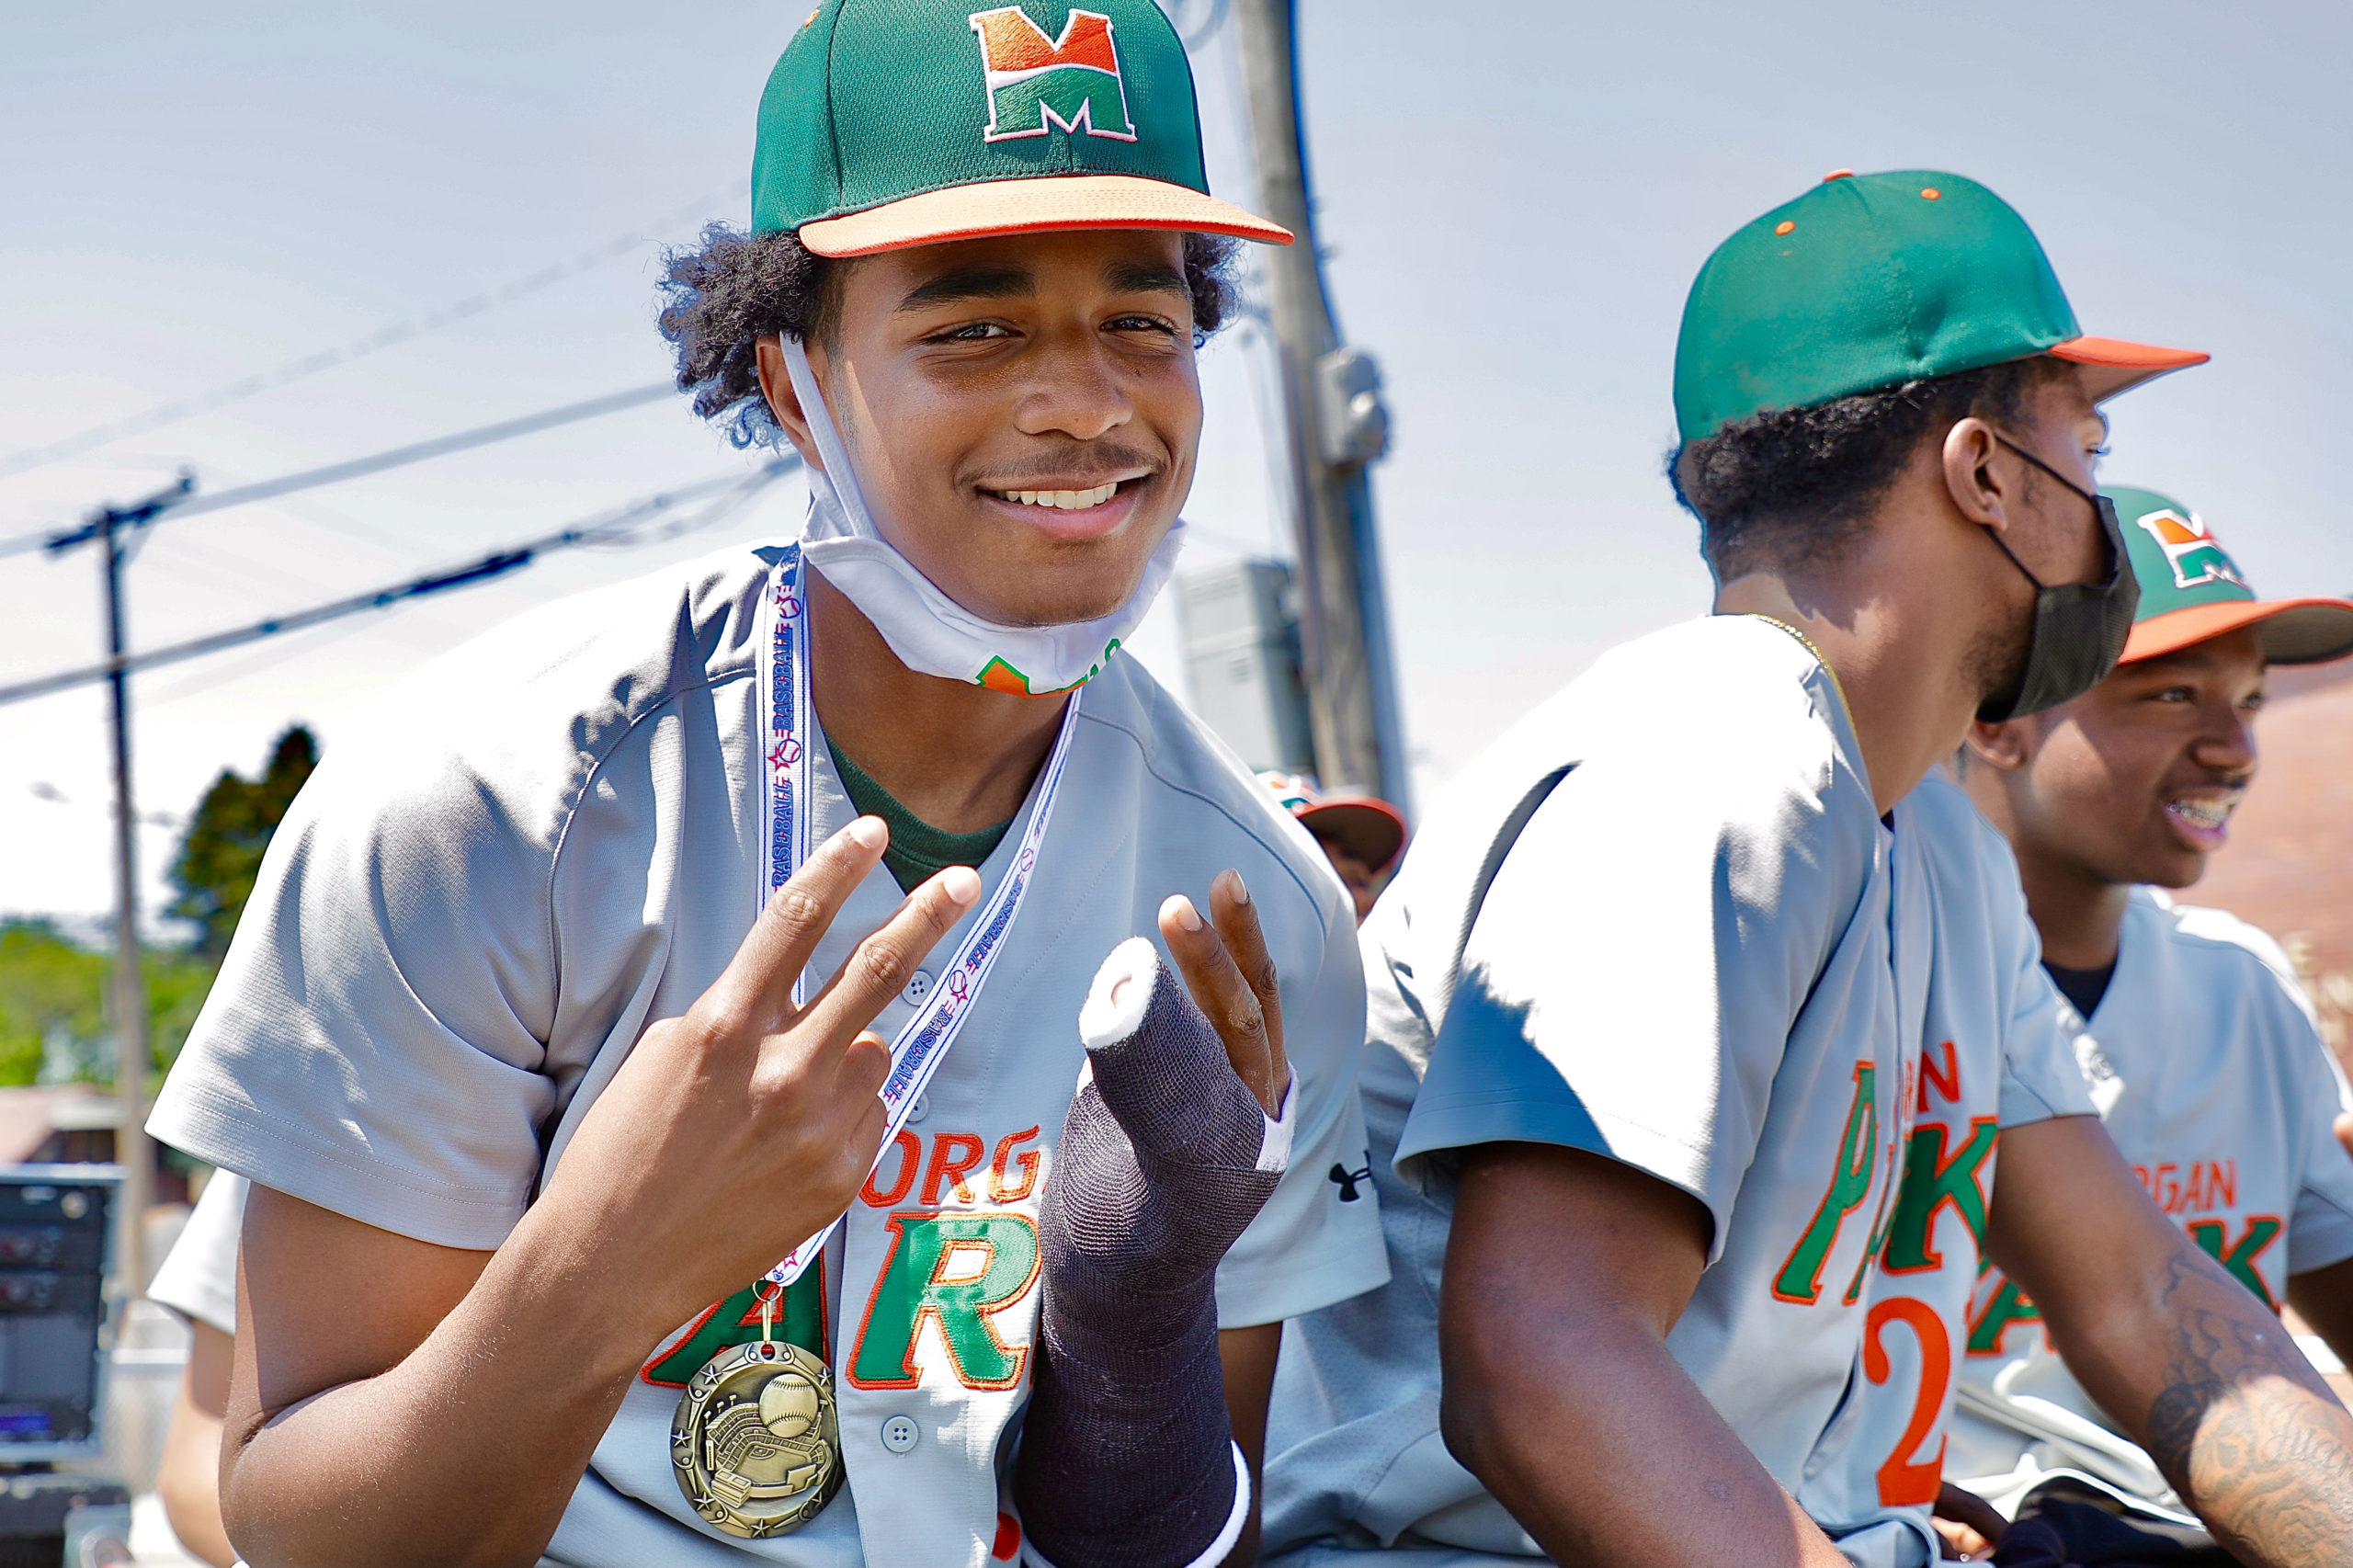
x,y
723,297
1790,486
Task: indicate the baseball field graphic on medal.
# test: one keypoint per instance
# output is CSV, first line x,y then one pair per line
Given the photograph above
x,y
756,1444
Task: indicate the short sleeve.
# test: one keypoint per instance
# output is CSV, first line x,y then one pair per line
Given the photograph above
x,y
2040,1075
197,1278
1631,976
373,1044
1318,1240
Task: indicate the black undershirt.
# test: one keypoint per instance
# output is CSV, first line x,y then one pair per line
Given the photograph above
x,y
2084,987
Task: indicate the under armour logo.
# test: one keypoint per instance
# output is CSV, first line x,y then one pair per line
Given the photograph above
x,y
1348,1179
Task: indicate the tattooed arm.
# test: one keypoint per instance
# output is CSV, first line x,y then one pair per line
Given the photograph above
x,y
2190,1363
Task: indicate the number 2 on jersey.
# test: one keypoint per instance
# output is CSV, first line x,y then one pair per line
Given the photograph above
x,y
1903,1481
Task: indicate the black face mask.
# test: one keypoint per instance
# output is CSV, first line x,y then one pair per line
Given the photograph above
x,y
2079,628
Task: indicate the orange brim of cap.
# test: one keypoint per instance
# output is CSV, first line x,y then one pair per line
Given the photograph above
x,y
2295,631
1034,206
2110,364
1373,829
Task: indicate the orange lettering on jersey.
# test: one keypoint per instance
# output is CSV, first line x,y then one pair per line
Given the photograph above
x,y
1001,1190
1947,1082
2202,1186
954,1156
1904,1480
910,1149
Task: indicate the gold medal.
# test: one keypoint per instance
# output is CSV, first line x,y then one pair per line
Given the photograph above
x,y
756,1444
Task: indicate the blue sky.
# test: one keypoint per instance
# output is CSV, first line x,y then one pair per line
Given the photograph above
x,y
1514,201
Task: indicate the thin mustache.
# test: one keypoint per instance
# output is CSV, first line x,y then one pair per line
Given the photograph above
x,y
1095,464
2235,785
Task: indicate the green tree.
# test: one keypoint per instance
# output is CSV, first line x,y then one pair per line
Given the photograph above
x,y
53,1012
53,989
221,853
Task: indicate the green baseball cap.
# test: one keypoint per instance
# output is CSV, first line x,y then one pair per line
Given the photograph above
x,y
890,123
2191,590
1872,280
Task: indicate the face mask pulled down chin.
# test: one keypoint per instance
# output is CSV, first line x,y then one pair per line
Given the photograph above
x,y
2079,628
930,632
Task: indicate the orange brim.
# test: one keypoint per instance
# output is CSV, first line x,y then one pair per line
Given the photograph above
x,y
2110,364
2295,631
1370,827
1040,205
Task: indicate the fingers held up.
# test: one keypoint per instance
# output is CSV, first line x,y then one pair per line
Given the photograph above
x,y
878,967
1226,968
755,991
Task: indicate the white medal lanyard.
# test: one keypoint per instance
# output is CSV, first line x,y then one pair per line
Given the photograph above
x,y
923,1045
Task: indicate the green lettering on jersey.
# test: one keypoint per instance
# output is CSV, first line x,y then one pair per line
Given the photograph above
x,y
800,1319
2262,1230
1932,1181
1878,1238
960,1269
1801,1277
2008,1305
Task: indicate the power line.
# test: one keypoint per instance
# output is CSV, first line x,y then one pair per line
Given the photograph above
x,y
54,540
383,338
609,528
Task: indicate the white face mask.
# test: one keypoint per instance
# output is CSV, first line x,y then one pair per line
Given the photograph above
x,y
930,632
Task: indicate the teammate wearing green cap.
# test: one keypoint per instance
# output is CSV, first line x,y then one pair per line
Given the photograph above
x,y
2201,1051
1694,1025
590,1220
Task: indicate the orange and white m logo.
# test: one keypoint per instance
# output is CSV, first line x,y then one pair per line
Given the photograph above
x,y
2196,556
1038,84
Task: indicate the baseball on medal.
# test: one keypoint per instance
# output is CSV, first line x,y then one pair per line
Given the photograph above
x,y
789,1405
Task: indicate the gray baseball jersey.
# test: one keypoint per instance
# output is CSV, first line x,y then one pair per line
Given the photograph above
x,y
550,839
2205,1063
1663,921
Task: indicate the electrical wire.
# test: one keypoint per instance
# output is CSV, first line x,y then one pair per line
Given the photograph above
x,y
359,347
609,529
55,540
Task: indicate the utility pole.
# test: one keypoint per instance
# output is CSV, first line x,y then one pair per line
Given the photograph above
x,y
1337,425
109,529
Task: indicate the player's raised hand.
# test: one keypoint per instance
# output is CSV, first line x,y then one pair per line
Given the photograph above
x,y
1225,966
733,1133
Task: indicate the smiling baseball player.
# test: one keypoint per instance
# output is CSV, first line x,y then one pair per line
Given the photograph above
x,y
1660,1010
2201,1051
545,1043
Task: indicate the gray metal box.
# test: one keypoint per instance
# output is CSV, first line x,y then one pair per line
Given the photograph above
x,y
1240,624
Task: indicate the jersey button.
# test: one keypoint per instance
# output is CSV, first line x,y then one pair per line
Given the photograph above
x,y
917,988
899,1434
921,1108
